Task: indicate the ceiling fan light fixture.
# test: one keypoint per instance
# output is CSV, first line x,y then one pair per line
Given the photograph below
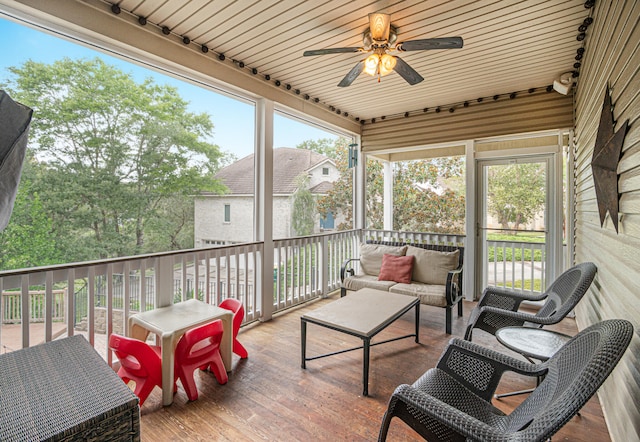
x,y
379,24
371,64
387,63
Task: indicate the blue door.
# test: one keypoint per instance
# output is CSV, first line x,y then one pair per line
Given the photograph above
x,y
328,222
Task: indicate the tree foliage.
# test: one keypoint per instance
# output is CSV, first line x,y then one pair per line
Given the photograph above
x,y
323,146
428,195
304,207
516,193
117,161
28,240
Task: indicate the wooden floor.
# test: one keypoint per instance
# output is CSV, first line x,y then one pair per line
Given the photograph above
x,y
269,397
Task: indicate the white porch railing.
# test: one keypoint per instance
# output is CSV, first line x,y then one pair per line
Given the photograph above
x,y
12,306
415,237
103,294
516,264
309,266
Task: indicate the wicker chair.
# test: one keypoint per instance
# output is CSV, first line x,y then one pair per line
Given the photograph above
x,y
452,401
498,307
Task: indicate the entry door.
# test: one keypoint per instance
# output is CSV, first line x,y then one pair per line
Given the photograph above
x,y
517,241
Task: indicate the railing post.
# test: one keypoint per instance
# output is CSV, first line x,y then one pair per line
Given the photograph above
x,y
24,313
323,263
48,306
164,281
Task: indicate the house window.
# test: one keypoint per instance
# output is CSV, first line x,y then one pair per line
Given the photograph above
x,y
325,171
227,213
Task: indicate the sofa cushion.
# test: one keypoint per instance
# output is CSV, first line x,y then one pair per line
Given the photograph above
x,y
432,266
429,294
396,268
358,282
371,256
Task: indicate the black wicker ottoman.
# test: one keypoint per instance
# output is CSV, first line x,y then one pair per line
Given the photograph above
x,y
64,391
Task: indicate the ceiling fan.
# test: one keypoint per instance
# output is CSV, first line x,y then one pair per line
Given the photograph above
x,y
380,39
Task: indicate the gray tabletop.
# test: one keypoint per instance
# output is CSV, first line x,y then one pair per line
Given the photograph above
x,y
361,312
536,343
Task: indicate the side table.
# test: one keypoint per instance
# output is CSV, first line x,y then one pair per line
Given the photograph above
x,y
532,343
64,391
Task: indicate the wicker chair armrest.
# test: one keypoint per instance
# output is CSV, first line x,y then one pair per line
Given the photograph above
x,y
491,295
347,268
480,369
460,422
518,317
454,286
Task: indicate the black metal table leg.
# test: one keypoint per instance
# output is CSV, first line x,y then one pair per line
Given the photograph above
x,y
417,323
366,343
303,346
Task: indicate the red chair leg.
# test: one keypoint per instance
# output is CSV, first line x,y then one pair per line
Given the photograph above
x,y
188,383
143,390
239,349
219,371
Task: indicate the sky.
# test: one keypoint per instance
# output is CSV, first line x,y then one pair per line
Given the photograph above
x,y
232,119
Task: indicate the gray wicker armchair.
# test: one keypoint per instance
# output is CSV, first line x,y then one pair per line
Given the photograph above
x,y
452,401
498,307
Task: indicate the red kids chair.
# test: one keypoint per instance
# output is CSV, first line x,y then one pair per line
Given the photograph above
x,y
200,348
139,362
238,316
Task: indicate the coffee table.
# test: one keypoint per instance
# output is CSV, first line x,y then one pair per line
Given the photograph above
x,y
364,314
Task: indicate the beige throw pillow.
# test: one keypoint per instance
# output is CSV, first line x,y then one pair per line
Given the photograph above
x,y
431,266
371,256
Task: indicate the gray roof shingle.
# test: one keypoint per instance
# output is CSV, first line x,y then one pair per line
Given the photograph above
x,y
288,163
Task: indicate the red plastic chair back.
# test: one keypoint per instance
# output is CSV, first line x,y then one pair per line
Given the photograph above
x,y
200,348
139,362
238,316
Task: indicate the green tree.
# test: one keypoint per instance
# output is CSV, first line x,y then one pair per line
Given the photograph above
x,y
323,146
28,240
304,207
428,195
338,200
516,193
112,153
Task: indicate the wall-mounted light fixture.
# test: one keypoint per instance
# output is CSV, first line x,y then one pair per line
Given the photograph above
x,y
353,155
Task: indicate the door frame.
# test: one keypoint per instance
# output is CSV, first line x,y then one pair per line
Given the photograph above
x,y
553,157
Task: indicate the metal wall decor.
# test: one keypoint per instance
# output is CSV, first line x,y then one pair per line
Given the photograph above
x,y
604,163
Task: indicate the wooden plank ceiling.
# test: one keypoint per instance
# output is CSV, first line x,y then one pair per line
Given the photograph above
x,y
509,45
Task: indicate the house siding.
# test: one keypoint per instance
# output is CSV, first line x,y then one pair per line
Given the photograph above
x,y
612,57
209,224
210,227
538,111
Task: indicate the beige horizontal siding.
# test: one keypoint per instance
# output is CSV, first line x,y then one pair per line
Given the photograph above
x,y
526,113
612,58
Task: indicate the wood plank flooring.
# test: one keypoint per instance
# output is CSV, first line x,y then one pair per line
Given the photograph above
x,y
269,397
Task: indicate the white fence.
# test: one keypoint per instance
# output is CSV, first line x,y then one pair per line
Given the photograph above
x,y
516,264
96,298
306,268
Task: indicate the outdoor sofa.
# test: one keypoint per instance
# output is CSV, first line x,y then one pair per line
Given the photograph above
x,y
431,272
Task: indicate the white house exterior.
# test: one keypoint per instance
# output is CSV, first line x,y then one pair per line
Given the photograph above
x,y
228,218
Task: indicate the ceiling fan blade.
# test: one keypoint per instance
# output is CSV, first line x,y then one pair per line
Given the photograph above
x,y
407,72
352,75
330,51
431,43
